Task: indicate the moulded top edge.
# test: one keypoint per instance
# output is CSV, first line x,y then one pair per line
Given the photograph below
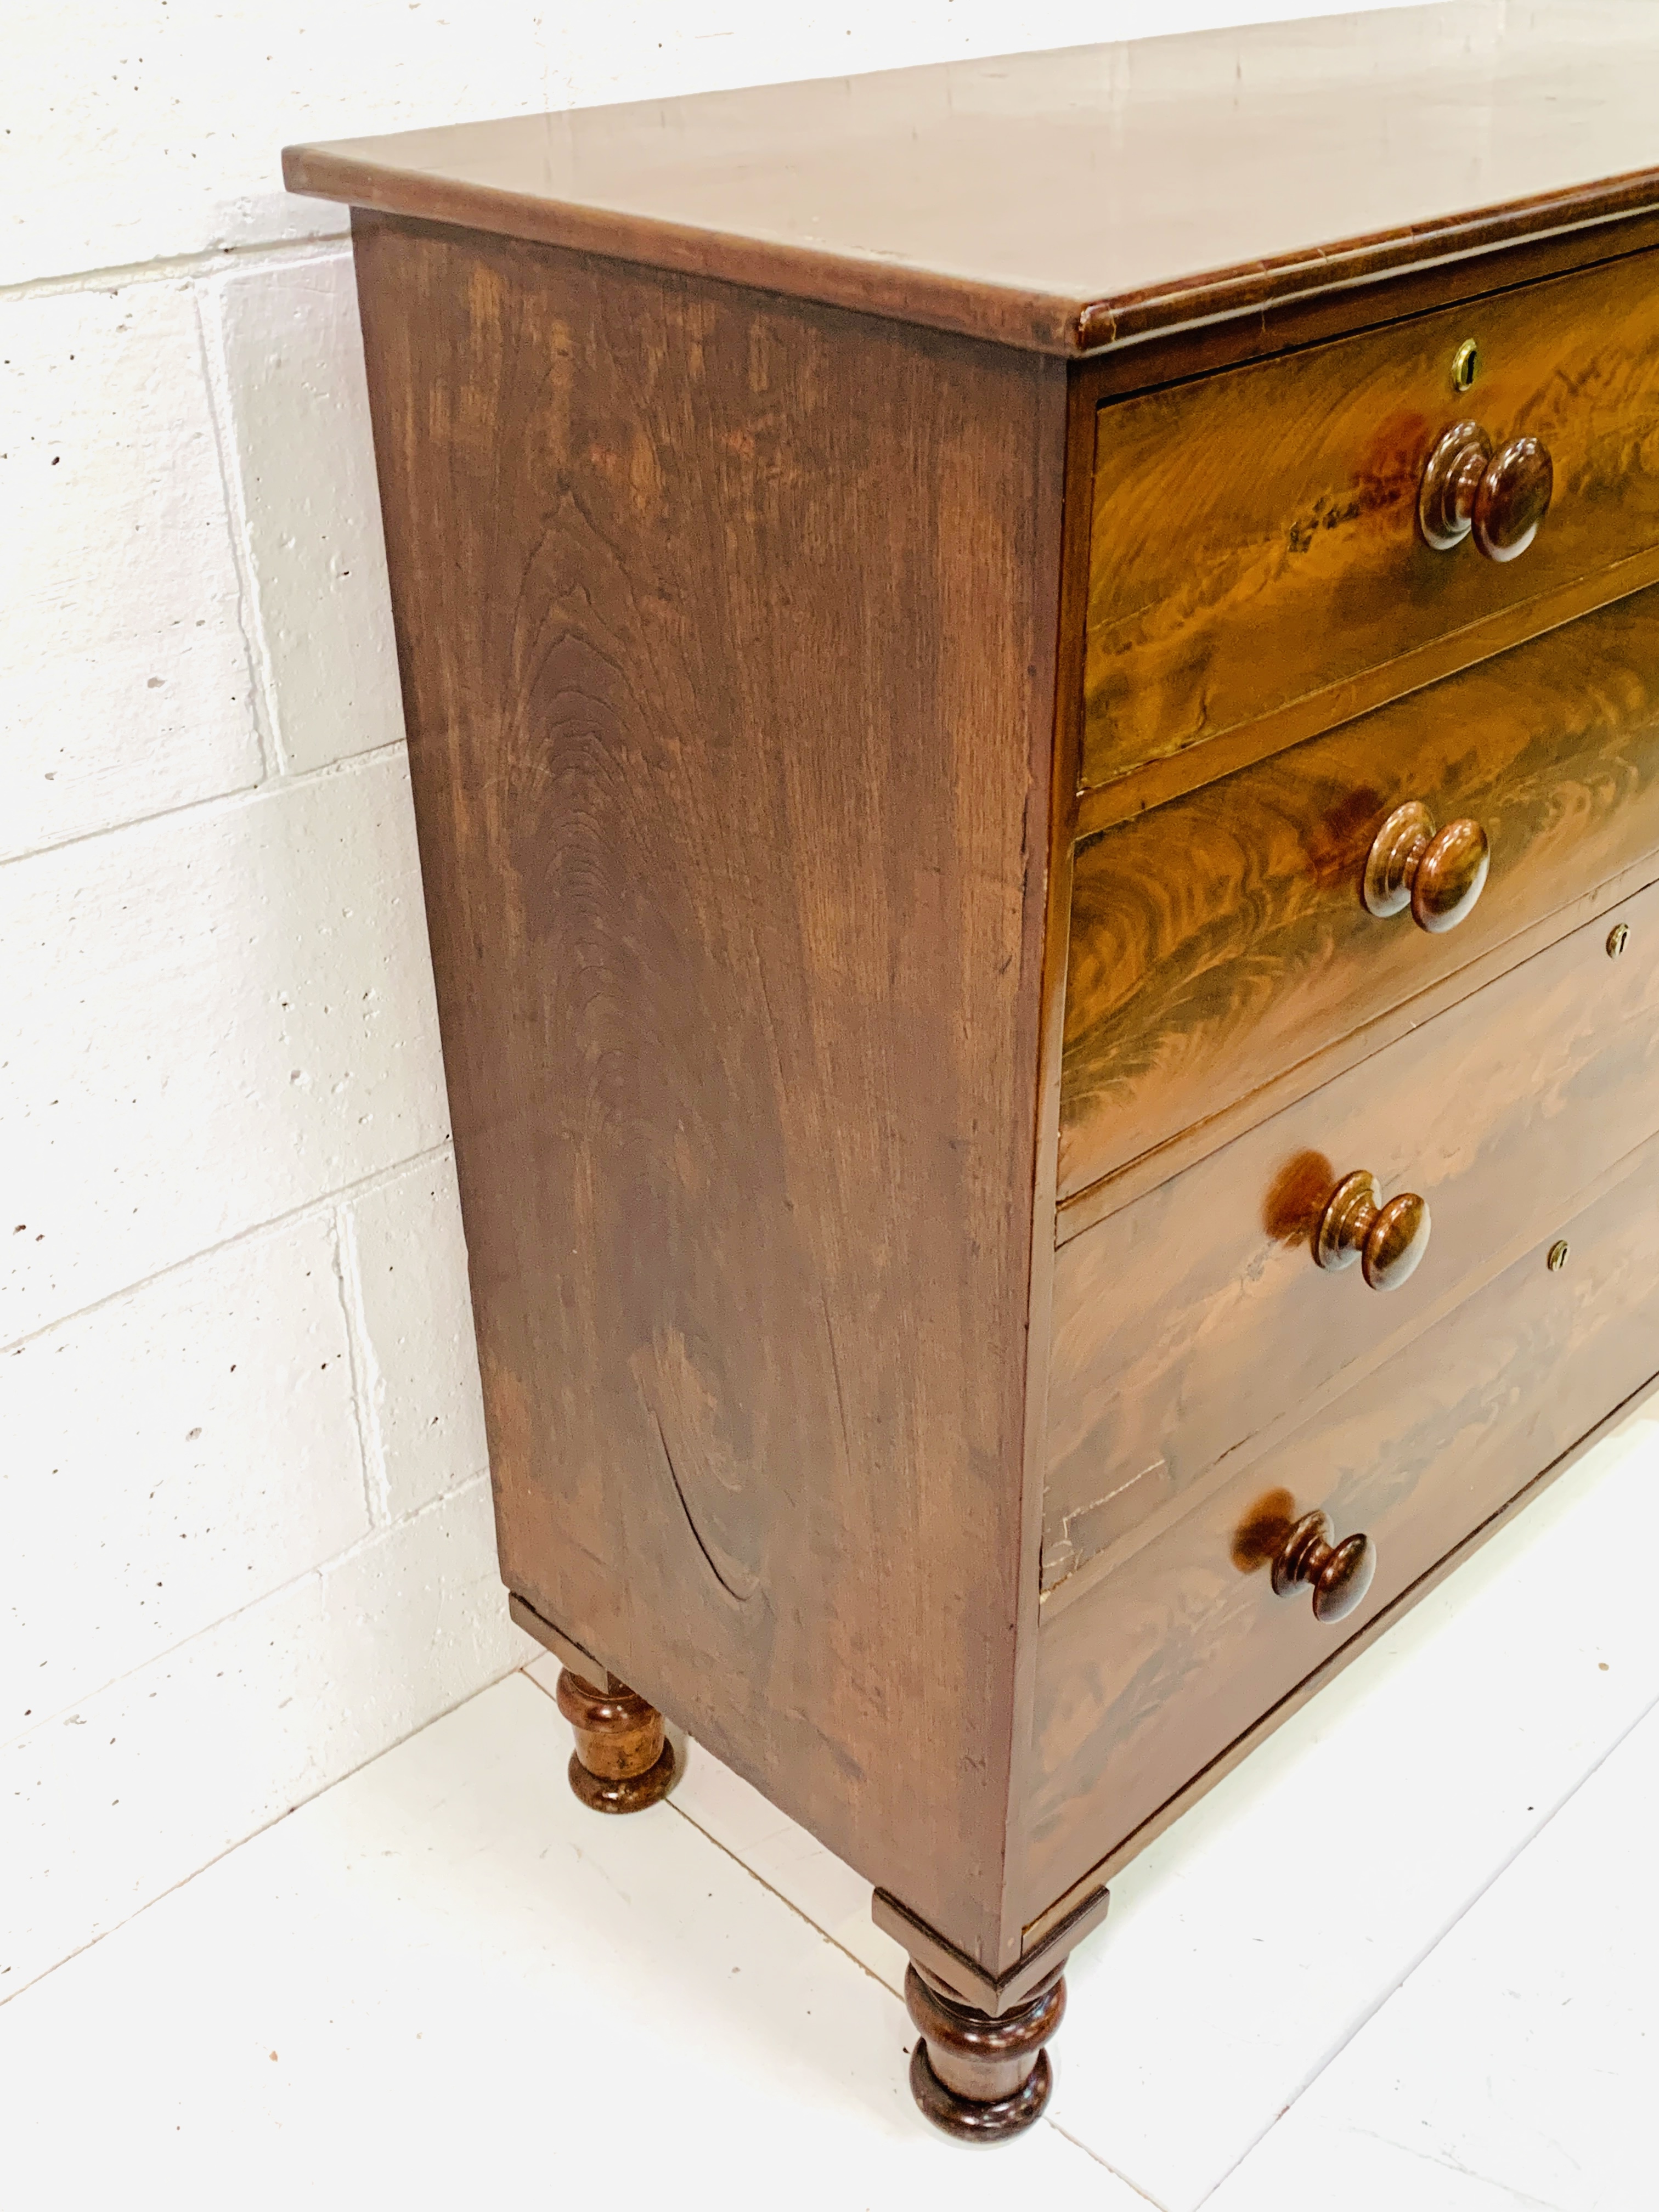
x,y
1072,200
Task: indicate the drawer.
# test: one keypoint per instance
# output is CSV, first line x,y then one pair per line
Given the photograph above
x,y
1254,537
1149,1674
1194,1322
1220,939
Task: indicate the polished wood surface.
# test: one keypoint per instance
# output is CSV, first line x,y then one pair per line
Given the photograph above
x,y
1157,782
975,2076
1497,501
623,1761
915,605
1435,875
1337,1573
1195,1323
1257,540
738,948
1341,1652
1388,1237
1151,1673
1084,197
1039,1961
565,1649
1101,1200
1219,941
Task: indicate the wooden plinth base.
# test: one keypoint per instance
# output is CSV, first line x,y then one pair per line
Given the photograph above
x,y
976,2076
623,1761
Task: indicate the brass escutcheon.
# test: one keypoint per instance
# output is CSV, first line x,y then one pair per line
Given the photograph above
x,y
1618,939
1466,365
1557,1258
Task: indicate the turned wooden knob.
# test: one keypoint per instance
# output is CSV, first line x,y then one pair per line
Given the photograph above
x,y
1439,874
1388,1241
1340,1573
1498,498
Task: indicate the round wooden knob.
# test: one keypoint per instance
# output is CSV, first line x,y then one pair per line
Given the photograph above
x,y
1388,1241
1439,874
1500,498
1340,1573
1512,498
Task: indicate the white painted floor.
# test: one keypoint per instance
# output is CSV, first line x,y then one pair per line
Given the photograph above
x,y
1405,1959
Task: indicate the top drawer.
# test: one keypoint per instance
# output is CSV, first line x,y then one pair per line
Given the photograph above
x,y
1256,533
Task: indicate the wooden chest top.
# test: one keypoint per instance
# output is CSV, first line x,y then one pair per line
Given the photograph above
x,y
1067,201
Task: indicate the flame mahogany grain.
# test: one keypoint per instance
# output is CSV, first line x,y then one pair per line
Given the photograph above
x,y
1214,939
1418,1454
1257,539
1195,1325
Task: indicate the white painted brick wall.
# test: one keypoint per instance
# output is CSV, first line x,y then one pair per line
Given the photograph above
x,y
211,1020
285,340
114,1802
157,1447
125,685
423,1414
245,1530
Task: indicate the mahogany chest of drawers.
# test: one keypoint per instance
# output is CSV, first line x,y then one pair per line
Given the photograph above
x,y
1033,697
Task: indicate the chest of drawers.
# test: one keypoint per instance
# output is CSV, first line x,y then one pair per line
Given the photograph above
x,y
1033,700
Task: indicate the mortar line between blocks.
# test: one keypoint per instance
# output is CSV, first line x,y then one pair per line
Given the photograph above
x,y
347,1195
179,267
1462,1912
365,1374
276,1820
370,1537
244,795
249,614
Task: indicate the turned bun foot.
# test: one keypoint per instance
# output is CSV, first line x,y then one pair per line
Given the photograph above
x,y
622,1760
976,2076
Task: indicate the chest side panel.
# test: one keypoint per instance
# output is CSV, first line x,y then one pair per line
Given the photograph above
x,y
726,626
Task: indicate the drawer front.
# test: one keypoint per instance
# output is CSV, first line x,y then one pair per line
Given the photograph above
x,y
1150,1673
1194,1322
1220,939
1255,538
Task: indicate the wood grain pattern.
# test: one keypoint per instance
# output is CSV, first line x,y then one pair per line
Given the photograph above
x,y
1051,1012
1217,941
623,1762
1101,1200
978,2078
1139,361
737,906
775,608
1195,1324
1255,533
1156,782
948,1969
1166,1662
1082,199
1340,1655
